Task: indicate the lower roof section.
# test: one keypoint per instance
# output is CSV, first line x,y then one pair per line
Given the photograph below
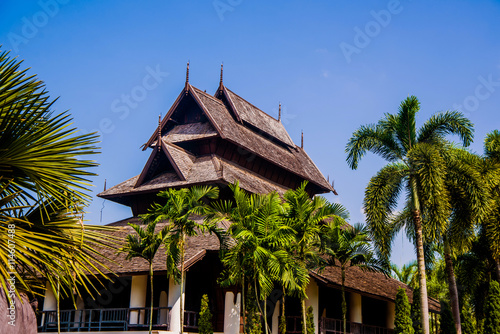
x,y
209,169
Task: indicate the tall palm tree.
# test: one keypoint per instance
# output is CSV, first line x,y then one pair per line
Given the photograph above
x,y
491,225
348,246
416,164
145,244
43,189
305,216
181,205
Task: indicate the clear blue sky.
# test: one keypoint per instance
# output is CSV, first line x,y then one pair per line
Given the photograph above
x,y
334,65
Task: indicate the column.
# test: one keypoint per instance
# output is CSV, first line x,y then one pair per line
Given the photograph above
x,y
174,301
276,314
355,310
312,292
391,314
163,303
49,304
232,313
79,315
138,293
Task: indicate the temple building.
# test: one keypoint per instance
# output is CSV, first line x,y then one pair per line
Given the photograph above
x,y
217,140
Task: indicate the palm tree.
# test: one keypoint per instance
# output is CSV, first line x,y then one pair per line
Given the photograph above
x,y
407,274
257,259
43,189
348,246
491,225
180,208
417,164
305,217
145,244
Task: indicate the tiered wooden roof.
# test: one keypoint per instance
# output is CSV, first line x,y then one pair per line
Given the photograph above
x,y
205,139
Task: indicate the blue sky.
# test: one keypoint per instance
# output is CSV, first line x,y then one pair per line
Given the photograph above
x,y
334,65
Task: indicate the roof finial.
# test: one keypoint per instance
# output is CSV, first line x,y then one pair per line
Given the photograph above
x,y
221,74
279,113
187,74
159,128
302,140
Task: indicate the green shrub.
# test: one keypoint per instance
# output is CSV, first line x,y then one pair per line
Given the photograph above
x,y
402,320
492,309
205,320
416,312
310,320
468,319
447,325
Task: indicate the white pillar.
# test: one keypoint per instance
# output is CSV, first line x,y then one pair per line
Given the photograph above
x,y
49,304
138,293
232,312
312,292
276,314
79,316
391,314
174,301
163,303
355,310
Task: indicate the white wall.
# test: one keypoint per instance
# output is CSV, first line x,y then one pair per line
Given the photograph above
x,y
355,310
174,301
138,293
391,314
232,313
312,292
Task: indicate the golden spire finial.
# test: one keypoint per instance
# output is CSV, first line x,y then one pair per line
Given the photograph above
x,y
187,73
279,113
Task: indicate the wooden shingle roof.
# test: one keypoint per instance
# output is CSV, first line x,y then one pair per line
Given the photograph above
x,y
293,159
367,283
205,169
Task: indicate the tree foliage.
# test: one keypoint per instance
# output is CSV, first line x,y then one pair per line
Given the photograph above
x,y
492,309
402,319
205,320
44,180
447,324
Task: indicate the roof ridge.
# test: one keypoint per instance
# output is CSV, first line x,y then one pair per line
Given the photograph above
x,y
262,111
208,95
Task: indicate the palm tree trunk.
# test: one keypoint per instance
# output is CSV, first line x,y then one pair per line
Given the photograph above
x,y
344,304
243,304
452,287
304,320
497,264
182,284
421,272
151,309
265,316
282,329
417,219
58,306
